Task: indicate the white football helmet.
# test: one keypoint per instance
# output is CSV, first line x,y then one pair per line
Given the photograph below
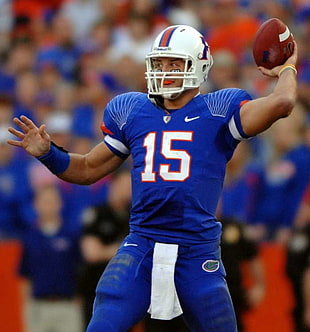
x,y
184,42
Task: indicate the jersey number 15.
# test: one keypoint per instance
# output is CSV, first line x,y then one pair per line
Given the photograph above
x,y
149,175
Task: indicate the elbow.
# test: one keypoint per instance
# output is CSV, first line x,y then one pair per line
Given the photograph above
x,y
87,179
88,182
84,182
87,174
285,106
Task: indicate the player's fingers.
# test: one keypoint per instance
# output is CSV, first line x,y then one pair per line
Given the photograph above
x,y
295,52
268,72
15,143
263,70
17,133
28,122
293,58
43,132
21,125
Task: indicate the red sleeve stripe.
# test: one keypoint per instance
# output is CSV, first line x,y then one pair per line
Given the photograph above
x,y
105,129
243,102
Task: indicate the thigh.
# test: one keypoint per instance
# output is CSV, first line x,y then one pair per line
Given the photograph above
x,y
123,291
204,294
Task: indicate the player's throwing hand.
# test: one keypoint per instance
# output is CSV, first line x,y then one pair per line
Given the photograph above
x,y
290,62
33,140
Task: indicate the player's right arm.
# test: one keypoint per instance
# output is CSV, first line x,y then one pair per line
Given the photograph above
x,y
75,168
259,114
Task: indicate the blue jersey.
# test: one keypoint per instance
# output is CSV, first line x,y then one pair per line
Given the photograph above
x,y
179,161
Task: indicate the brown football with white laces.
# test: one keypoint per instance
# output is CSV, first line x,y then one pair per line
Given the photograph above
x,y
273,44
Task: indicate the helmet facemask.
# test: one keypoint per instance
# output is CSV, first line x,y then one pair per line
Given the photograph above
x,y
156,79
184,43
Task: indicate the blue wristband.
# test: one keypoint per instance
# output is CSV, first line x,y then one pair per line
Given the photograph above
x,y
56,159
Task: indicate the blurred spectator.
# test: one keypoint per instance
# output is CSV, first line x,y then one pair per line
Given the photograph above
x,y
102,35
105,226
6,110
237,249
84,128
134,38
306,292
298,264
62,53
21,58
6,24
50,81
75,197
7,80
207,18
44,107
281,9
87,113
34,8
184,11
96,51
242,186
49,263
152,10
230,20
82,14
127,68
303,213
225,71
82,144
286,176
15,190
32,18
116,11
26,92
251,78
304,86
59,126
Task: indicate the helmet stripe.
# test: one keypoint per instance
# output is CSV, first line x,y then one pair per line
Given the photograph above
x,y
165,38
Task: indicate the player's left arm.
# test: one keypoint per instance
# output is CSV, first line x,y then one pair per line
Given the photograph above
x,y
259,114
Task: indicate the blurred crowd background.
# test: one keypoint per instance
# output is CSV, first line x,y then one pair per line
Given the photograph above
x,y
61,61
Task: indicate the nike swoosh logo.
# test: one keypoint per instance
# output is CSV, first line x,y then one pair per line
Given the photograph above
x,y
187,119
126,244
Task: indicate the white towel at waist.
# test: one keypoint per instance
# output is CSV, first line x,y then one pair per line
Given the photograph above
x,y
165,304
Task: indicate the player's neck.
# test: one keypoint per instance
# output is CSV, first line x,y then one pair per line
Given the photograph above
x,y
182,100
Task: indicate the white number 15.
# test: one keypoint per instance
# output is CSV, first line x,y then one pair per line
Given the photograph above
x,y
148,175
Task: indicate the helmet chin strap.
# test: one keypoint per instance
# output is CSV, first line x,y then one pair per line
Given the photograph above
x,y
174,95
171,96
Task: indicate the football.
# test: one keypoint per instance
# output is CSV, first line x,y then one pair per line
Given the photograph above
x,y
273,44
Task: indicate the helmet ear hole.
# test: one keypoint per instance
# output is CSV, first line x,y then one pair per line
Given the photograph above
x,y
204,68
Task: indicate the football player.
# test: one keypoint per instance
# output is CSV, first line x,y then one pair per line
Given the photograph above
x,y
180,141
